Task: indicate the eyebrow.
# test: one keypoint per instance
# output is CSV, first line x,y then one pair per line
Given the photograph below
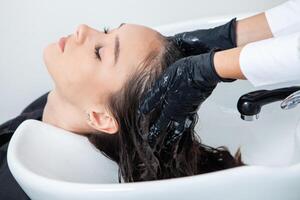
x,y
117,46
121,24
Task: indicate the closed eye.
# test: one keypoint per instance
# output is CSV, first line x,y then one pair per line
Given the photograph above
x,y
98,47
97,54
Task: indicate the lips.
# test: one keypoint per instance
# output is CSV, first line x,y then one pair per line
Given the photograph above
x,y
62,42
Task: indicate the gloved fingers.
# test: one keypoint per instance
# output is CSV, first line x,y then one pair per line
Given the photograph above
x,y
169,81
178,129
190,44
176,134
155,96
166,86
157,128
204,40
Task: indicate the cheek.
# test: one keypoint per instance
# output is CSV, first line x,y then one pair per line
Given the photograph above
x,y
90,81
79,80
71,72
105,81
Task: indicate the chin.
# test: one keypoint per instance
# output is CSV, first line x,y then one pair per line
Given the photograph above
x,y
51,57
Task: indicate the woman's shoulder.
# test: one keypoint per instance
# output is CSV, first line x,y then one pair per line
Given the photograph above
x,y
39,103
33,111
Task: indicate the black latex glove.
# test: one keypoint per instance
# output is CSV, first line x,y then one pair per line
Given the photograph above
x,y
179,92
202,41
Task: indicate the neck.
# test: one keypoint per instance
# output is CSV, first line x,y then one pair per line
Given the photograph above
x,y
63,114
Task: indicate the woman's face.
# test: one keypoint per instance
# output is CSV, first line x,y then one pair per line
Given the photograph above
x,y
95,64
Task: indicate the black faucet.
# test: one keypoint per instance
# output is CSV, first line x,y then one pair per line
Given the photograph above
x,y
249,105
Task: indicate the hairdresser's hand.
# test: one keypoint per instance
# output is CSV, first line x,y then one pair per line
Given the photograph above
x,y
178,93
202,41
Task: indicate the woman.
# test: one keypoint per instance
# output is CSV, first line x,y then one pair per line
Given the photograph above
x,y
99,79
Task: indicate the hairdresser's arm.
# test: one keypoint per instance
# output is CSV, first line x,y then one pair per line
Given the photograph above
x,y
268,61
255,61
281,20
252,29
227,63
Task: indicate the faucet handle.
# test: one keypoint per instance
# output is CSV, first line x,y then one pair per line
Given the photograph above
x,y
291,101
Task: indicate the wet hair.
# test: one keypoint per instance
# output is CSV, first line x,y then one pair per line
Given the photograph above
x,y
129,148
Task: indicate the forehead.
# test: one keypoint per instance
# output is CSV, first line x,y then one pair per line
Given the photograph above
x,y
136,42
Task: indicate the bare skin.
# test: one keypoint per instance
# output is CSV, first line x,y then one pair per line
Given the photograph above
x,y
249,30
253,29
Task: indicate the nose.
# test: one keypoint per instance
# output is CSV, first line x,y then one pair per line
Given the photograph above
x,y
81,33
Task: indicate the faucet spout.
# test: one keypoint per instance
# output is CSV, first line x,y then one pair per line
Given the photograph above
x,y
249,105
291,101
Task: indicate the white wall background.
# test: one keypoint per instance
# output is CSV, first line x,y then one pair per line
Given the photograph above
x,y
26,27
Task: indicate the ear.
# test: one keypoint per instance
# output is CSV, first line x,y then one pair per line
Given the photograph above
x,y
103,121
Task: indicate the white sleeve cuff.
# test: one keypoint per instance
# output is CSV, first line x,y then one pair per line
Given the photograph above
x,y
272,61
